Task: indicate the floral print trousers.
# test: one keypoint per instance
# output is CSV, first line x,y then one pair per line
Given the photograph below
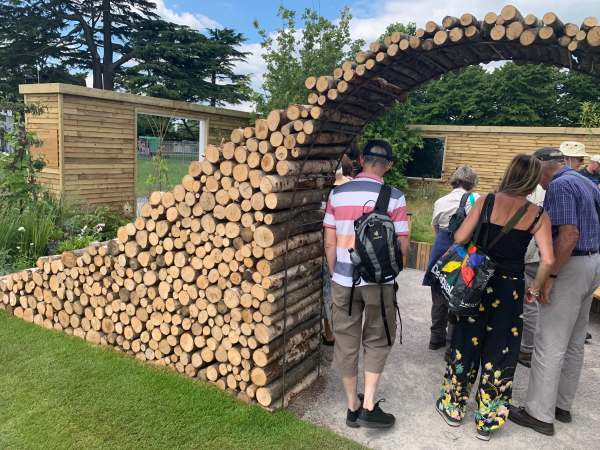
x,y
489,341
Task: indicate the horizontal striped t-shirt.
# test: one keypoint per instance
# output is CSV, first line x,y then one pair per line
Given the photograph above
x,y
347,203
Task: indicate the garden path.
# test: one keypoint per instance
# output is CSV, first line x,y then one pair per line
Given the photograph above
x,y
411,383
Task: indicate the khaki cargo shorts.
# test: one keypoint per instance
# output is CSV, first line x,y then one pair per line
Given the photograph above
x,y
350,331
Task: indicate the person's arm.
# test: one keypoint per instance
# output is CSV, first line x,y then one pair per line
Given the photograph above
x,y
330,236
330,248
465,232
543,238
399,216
561,205
404,245
435,218
564,244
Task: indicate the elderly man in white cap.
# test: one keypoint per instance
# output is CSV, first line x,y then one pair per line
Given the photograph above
x,y
592,170
574,153
573,204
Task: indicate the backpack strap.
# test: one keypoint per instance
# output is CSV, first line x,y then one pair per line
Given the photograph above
x,y
464,199
510,224
383,199
351,297
384,317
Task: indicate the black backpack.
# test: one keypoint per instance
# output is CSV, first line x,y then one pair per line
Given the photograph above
x,y
376,256
460,215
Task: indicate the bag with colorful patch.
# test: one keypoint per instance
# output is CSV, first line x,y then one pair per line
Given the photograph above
x,y
463,272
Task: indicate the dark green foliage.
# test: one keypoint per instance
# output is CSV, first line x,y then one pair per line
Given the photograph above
x,y
31,47
517,95
58,392
177,62
590,115
291,55
47,40
392,126
32,223
225,85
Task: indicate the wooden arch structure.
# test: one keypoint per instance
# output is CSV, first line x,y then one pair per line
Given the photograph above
x,y
221,277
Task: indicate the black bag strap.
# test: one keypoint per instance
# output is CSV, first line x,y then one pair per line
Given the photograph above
x,y
383,199
536,220
464,199
510,224
484,217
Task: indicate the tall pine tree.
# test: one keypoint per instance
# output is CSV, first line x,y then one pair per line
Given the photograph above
x,y
177,62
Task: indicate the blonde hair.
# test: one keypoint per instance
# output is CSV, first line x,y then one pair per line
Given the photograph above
x,y
522,176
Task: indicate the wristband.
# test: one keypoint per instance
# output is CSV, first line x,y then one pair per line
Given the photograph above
x,y
553,276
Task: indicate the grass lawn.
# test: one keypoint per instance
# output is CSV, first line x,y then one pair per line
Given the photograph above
x,y
420,197
177,170
58,392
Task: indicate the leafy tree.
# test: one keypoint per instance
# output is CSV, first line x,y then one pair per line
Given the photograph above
x,y
224,44
590,115
392,126
291,55
410,28
461,97
31,45
19,170
575,90
524,94
92,35
180,63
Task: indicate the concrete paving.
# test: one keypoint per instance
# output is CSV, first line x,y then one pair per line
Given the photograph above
x,y
410,385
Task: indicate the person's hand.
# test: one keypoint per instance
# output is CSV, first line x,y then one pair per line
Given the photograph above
x,y
532,295
547,291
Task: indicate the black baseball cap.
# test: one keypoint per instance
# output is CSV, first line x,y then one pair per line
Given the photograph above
x,y
549,154
378,148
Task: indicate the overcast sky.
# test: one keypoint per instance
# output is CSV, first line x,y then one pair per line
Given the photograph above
x,y
370,17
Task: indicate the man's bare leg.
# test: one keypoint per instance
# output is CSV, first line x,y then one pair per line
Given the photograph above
x,y
371,384
351,394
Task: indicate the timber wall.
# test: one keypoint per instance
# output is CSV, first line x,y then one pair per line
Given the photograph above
x,y
489,149
89,138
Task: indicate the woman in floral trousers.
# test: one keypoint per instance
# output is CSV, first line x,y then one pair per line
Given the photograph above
x,y
490,341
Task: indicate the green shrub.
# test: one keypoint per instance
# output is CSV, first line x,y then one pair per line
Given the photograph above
x,y
74,243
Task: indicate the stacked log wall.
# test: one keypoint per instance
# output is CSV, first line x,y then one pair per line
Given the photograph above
x,y
220,278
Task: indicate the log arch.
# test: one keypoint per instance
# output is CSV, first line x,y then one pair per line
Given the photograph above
x,y
220,278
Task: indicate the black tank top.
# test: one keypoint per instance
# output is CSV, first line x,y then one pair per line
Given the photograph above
x,y
509,252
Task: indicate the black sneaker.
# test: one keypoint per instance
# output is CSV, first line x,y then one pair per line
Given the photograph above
x,y
449,420
521,417
351,416
562,415
436,345
376,418
588,337
483,435
525,359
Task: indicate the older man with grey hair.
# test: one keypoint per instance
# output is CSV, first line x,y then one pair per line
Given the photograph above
x,y
573,204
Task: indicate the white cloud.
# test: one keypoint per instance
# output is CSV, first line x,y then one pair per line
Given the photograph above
x,y
192,20
255,67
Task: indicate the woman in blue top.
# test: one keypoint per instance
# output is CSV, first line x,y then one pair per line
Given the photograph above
x,y
463,181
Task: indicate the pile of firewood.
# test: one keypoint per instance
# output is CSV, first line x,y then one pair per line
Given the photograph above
x,y
220,278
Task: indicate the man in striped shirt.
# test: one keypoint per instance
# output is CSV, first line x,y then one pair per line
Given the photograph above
x,y
347,203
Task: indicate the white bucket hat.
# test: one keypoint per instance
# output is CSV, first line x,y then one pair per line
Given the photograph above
x,y
573,149
595,158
